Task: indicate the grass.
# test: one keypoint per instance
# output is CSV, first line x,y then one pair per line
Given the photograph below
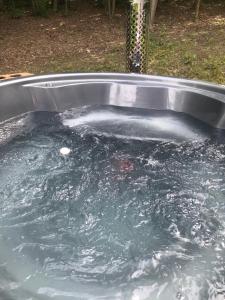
x,y
111,62
186,57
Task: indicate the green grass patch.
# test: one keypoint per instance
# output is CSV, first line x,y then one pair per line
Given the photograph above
x,y
186,57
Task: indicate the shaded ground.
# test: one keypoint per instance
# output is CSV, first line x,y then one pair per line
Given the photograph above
x,y
88,41
183,48
85,40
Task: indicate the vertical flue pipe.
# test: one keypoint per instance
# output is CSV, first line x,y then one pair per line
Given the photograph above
x,y
137,36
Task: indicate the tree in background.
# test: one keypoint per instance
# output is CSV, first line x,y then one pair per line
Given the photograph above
x,y
198,3
55,5
110,6
16,7
40,7
154,4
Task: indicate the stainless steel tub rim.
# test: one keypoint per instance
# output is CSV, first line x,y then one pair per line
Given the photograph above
x,y
58,92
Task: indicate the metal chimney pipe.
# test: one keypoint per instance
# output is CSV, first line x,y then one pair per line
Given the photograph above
x,y
137,35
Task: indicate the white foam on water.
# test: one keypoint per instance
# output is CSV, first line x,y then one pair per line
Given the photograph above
x,y
122,125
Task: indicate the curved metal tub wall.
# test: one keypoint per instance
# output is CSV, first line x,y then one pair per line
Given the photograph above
x,y
203,101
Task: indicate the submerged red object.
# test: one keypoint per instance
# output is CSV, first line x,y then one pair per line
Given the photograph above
x,y
124,165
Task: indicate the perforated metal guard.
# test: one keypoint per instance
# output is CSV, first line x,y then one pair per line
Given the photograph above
x,y
137,35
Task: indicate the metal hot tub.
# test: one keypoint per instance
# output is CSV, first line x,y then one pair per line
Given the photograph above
x,y
175,182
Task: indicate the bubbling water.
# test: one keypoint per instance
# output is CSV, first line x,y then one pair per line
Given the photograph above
x,y
95,205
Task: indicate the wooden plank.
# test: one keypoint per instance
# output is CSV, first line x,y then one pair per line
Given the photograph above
x,y
14,75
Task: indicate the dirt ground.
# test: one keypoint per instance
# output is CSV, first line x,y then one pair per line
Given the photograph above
x,y
87,40
82,40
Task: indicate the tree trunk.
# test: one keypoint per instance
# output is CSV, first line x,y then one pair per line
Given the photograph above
x,y
34,5
198,3
66,7
110,6
12,4
113,7
154,4
55,5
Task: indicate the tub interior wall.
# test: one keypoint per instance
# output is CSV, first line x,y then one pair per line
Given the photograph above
x,y
205,102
